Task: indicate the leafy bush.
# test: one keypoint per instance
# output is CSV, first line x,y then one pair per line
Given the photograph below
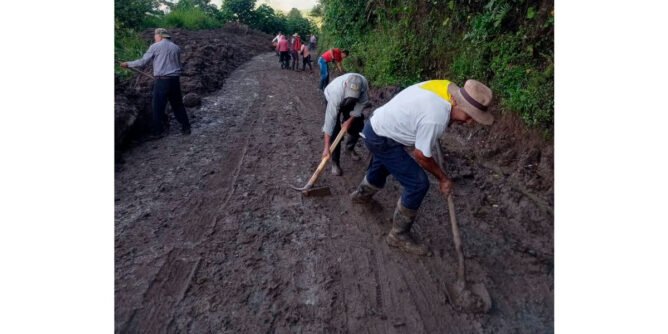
x,y
193,18
267,20
296,23
127,46
239,10
131,13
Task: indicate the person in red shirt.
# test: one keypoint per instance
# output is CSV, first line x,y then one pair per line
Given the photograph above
x,y
294,52
335,55
284,51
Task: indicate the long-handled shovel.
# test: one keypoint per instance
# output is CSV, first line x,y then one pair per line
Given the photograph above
x,y
476,299
308,189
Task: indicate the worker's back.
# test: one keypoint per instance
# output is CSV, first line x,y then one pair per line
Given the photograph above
x,y
166,58
283,45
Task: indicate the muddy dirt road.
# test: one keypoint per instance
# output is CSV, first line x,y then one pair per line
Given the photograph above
x,y
210,240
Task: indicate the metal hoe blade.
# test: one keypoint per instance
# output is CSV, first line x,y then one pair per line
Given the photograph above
x,y
472,299
310,191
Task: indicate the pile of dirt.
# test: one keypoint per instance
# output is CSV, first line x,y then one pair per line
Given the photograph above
x,y
208,57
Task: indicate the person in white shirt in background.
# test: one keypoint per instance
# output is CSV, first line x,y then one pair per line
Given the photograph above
x,y
274,42
312,43
346,96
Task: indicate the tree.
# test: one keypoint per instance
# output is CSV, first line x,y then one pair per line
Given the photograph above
x,y
316,11
296,23
294,14
131,13
240,10
266,19
204,5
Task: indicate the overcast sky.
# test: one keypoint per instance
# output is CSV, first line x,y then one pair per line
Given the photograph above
x,y
284,5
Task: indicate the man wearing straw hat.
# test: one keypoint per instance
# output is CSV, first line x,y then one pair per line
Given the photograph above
x,y
166,59
417,117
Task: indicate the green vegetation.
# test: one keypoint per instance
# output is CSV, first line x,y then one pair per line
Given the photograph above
x,y
127,46
192,18
507,44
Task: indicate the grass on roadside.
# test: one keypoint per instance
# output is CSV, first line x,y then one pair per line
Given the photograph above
x,y
189,18
128,45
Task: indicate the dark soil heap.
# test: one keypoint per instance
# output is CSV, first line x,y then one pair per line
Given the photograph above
x,y
208,57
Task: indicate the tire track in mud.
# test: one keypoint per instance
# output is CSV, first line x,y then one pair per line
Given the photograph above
x,y
200,158
210,239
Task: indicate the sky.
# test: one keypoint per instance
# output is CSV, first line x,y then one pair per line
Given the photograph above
x,y
284,5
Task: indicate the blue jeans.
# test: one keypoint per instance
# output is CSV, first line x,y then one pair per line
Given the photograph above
x,y
389,157
324,73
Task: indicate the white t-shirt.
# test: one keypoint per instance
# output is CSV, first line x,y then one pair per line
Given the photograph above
x,y
415,117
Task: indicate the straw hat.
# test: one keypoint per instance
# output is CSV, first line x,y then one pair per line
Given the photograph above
x,y
474,99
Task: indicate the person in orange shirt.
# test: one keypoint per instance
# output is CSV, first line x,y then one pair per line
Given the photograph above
x,y
335,55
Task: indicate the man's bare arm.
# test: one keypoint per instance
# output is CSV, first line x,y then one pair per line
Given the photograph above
x,y
328,138
428,163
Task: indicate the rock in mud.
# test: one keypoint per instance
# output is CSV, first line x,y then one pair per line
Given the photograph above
x,y
191,100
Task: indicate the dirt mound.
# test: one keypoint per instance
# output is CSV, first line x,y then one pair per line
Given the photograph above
x,y
209,56
380,96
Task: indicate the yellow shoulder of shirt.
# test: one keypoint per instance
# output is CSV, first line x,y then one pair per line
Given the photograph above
x,y
438,87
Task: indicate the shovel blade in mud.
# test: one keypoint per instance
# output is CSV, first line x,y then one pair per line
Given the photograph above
x,y
317,192
470,299
313,192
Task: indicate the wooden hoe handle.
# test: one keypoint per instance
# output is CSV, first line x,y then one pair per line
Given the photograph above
x,y
323,163
461,271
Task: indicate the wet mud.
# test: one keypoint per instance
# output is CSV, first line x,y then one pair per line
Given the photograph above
x,y
210,239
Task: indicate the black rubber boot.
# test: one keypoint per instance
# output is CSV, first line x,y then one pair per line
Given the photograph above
x,y
400,235
364,192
